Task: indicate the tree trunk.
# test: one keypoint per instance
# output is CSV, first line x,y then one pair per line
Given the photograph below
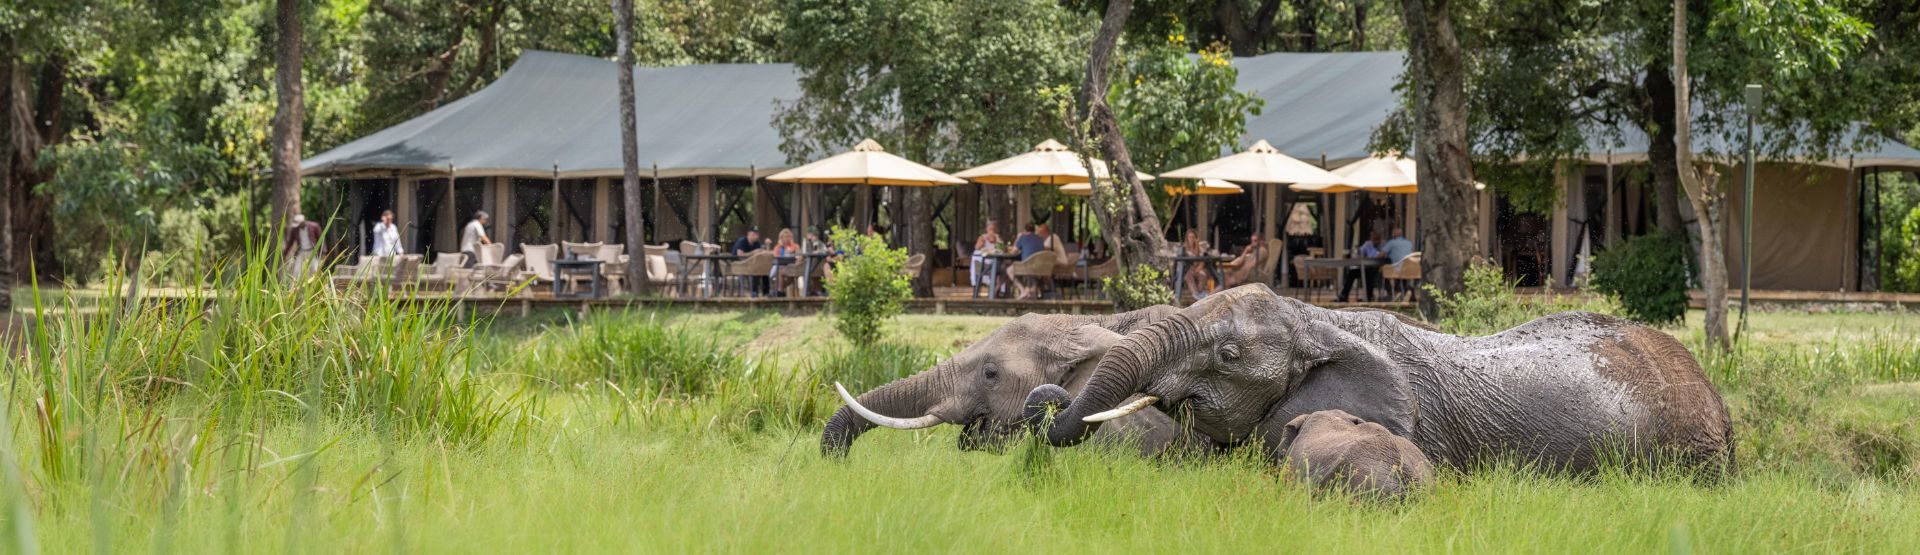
x,y
1242,38
1658,125
1124,210
1703,191
1306,20
637,278
9,126
1449,222
920,241
288,116
1360,26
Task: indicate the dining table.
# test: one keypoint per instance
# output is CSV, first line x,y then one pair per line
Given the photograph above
x,y
996,265
711,272
1183,263
1348,264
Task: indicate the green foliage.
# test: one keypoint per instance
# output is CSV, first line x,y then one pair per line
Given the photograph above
x,y
1488,304
1648,274
635,351
867,287
1176,108
937,81
1142,287
1906,269
113,189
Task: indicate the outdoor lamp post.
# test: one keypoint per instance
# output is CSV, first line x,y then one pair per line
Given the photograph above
x,y
1746,219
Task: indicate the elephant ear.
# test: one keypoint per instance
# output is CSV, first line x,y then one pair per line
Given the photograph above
x,y
1345,372
1292,431
1079,351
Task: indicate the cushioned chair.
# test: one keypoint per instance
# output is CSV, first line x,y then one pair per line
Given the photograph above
x,y
494,276
1037,268
491,253
1269,261
1315,277
369,269
576,250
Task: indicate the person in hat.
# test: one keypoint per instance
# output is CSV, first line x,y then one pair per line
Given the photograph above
x,y
302,240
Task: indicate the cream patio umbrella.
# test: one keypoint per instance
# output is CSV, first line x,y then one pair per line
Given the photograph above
x,y
1260,163
1049,163
1376,174
1207,187
867,164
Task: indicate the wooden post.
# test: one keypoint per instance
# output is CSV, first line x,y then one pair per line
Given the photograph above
x,y
1558,250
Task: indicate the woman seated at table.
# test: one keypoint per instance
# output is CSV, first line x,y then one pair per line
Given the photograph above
x,y
1197,278
784,248
986,244
1240,270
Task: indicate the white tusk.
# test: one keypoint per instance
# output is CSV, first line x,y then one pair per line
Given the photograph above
x,y
927,421
1124,410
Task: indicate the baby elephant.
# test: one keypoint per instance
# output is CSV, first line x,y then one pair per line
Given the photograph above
x,y
1333,449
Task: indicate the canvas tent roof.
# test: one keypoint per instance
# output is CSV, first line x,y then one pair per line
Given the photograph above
x,y
560,110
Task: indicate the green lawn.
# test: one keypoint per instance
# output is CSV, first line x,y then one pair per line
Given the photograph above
x,y
587,461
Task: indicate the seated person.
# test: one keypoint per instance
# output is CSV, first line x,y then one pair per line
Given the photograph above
x,y
1371,274
783,248
986,244
1240,271
1398,248
1196,277
1029,244
747,244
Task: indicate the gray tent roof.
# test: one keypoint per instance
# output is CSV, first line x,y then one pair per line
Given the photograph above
x,y
554,110
561,110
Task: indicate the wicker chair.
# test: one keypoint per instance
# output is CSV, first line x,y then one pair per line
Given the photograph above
x,y
406,272
442,273
491,253
576,250
755,266
539,263
1312,277
1404,276
1269,261
492,275
1038,267
369,269
915,264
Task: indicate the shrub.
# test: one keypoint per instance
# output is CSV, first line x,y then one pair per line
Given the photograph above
x,y
867,287
1648,274
1142,287
638,350
1906,268
1488,304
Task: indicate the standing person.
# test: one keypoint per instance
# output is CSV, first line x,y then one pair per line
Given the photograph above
x,y
746,243
1368,275
987,243
386,236
474,237
302,239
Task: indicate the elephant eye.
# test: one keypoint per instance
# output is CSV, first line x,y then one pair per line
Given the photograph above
x,y
992,371
1229,352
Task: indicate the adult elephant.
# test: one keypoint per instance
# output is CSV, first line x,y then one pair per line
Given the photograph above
x,y
1563,392
983,387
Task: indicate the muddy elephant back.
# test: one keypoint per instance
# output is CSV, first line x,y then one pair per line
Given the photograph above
x,y
1685,411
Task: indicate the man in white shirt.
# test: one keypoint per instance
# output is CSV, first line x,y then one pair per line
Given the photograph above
x,y
386,236
474,237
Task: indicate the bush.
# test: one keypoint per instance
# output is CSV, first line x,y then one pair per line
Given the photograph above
x,y
1142,287
867,287
1488,303
1906,268
1648,274
637,350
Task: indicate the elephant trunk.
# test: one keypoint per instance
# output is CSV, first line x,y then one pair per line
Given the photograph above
x,y
1121,374
911,398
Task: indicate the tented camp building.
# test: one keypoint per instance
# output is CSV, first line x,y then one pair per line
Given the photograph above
x,y
539,149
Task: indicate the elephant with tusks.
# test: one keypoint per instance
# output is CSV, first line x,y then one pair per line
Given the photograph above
x,y
983,387
1563,393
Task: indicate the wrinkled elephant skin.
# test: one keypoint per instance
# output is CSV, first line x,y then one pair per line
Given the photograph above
x,y
1335,450
1562,392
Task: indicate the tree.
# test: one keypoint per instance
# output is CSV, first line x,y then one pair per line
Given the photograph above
x,y
1124,209
288,117
630,147
945,82
1703,189
1446,197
